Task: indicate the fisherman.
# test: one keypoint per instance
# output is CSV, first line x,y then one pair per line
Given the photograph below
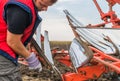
x,y
18,22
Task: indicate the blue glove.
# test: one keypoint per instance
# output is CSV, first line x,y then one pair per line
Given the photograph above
x,y
33,62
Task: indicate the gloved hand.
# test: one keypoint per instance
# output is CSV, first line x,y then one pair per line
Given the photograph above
x,y
33,62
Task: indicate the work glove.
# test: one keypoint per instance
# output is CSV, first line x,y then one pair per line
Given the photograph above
x,y
33,62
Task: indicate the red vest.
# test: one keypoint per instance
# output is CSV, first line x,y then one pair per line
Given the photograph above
x,y
27,5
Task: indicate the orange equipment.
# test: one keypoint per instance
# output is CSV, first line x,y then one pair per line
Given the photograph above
x,y
99,63
62,56
109,17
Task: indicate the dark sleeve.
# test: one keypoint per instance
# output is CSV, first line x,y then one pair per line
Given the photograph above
x,y
17,19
